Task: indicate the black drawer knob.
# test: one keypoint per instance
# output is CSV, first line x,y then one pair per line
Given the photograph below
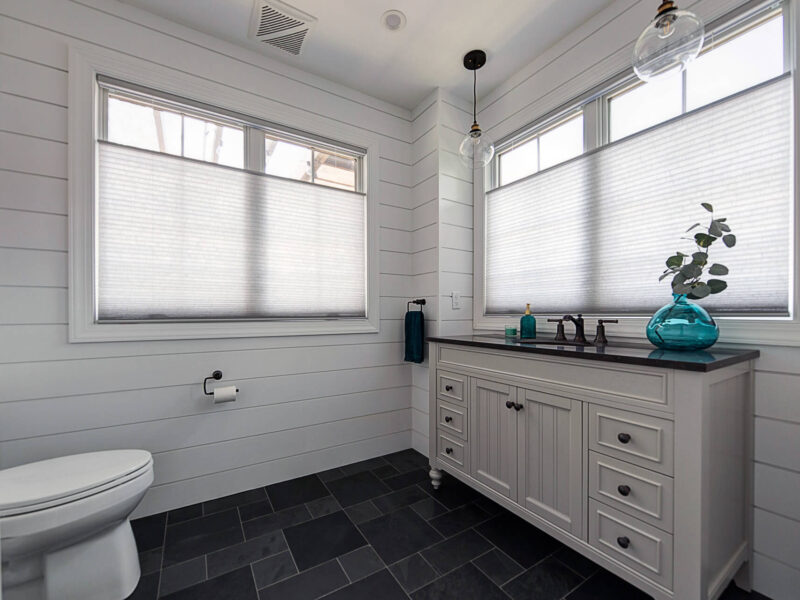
x,y
448,450
623,542
448,419
624,438
518,407
448,388
624,490
509,404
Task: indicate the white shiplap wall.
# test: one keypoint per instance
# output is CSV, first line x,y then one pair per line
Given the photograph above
x,y
442,238
579,62
306,403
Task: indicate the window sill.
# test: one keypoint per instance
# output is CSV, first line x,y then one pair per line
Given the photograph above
x,y
122,332
733,330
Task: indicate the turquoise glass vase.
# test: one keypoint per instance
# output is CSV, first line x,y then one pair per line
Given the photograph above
x,y
682,325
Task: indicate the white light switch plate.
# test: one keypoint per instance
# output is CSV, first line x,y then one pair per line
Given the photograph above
x,y
456,298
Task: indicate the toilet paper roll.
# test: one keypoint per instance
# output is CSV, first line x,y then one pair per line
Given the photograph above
x,y
225,394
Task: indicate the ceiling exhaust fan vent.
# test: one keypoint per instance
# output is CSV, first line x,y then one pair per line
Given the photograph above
x,y
280,25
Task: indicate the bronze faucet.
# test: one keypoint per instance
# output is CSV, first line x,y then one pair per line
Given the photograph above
x,y
580,336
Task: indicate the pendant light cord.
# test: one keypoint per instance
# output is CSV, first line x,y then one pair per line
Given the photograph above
x,y
474,95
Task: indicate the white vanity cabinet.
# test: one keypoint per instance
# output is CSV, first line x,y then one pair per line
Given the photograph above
x,y
639,462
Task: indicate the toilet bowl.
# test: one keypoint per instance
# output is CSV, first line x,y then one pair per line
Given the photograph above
x,y
64,528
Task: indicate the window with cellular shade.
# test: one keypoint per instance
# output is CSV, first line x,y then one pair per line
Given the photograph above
x,y
179,239
591,235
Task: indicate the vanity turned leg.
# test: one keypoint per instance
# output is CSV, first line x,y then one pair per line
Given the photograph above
x,y
436,478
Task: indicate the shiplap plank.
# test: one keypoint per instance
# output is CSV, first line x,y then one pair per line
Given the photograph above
x,y
425,238
26,154
455,213
425,261
419,442
395,217
32,305
775,579
456,261
777,537
19,229
777,396
33,267
396,263
424,215
777,490
31,80
32,192
778,443
395,240
30,117
50,416
396,285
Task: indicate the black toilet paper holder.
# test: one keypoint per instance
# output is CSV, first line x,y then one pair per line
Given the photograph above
x,y
215,375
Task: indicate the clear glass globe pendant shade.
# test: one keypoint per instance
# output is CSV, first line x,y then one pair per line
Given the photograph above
x,y
476,150
671,41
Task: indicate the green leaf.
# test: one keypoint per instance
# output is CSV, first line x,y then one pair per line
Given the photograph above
x,y
679,278
729,240
707,206
692,227
722,220
716,285
717,269
723,226
700,258
674,261
714,229
680,288
691,271
665,275
700,291
703,240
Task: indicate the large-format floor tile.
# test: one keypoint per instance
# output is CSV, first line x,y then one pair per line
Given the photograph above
x,y
406,479
399,534
413,572
454,552
360,563
497,566
577,562
323,506
183,575
364,511
380,585
315,542
452,493
548,580
428,508
149,531
147,588
185,513
308,585
399,499
150,561
240,499
465,583
273,569
296,491
385,471
240,555
519,539
279,520
200,536
236,585
364,465
459,519
606,586
357,488
254,509
406,460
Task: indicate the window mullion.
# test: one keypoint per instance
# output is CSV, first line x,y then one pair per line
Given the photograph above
x,y
254,149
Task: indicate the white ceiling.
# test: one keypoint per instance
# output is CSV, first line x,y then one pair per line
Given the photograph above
x,y
349,44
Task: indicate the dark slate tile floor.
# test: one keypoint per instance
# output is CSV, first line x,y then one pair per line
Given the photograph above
x,y
373,529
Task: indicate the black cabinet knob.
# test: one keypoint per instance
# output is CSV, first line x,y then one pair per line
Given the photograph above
x,y
624,490
518,407
623,542
448,388
448,450
448,419
509,404
624,438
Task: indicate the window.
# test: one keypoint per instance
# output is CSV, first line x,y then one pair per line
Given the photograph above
x,y
192,225
584,235
546,148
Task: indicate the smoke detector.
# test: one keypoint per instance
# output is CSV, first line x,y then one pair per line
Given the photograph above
x,y
280,25
393,20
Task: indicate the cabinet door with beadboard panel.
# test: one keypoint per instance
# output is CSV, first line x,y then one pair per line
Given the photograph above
x,y
551,458
493,435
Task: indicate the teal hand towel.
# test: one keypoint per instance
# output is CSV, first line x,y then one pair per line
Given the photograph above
x,y
415,336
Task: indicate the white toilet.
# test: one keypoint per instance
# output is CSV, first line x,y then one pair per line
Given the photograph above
x,y
64,529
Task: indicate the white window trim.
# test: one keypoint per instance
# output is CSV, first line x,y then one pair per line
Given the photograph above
x,y
85,63
775,331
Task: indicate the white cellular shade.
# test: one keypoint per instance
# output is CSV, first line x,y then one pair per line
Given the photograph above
x,y
592,234
181,239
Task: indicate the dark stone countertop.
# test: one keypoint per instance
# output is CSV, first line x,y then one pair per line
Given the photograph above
x,y
622,353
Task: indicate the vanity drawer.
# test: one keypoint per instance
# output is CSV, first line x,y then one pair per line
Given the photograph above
x,y
641,493
452,419
452,451
638,545
451,386
640,439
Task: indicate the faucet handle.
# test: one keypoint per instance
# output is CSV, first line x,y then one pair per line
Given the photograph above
x,y
555,320
601,339
560,336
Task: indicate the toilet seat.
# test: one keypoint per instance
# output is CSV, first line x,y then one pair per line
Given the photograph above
x,y
55,482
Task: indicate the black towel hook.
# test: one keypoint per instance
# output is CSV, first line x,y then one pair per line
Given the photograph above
x,y
419,301
215,375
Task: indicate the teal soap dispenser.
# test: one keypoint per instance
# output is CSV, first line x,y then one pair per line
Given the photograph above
x,y
527,324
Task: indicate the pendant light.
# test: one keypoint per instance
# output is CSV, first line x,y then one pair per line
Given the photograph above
x,y
476,150
669,43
